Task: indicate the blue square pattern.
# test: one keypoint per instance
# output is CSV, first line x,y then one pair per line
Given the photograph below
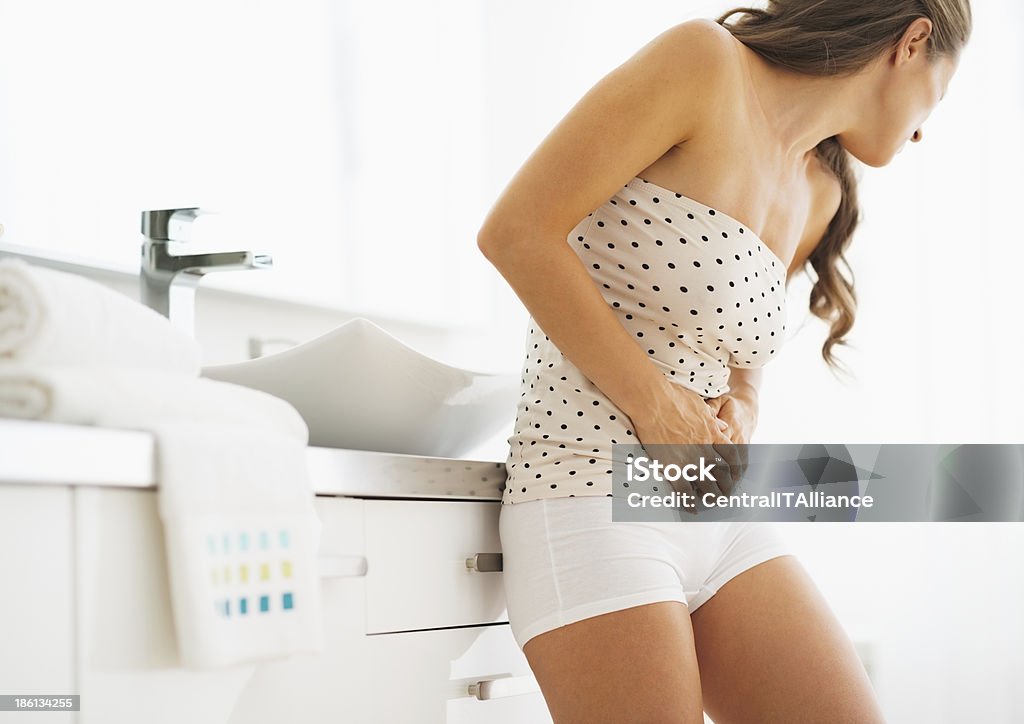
x,y
223,607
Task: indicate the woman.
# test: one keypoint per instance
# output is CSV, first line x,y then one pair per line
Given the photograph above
x,y
651,236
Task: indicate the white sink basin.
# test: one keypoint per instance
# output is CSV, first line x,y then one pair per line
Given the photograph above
x,y
360,388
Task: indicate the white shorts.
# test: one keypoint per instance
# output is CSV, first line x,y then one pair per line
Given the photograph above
x,y
564,560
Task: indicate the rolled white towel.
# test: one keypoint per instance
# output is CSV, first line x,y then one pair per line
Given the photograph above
x,y
139,399
49,317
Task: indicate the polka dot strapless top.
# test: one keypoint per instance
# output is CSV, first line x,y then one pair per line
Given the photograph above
x,y
698,292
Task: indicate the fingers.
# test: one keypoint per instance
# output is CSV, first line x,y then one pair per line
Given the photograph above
x,y
738,461
733,463
736,453
743,453
716,403
687,457
712,468
720,479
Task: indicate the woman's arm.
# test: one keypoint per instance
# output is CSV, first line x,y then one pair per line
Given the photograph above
x,y
745,382
658,98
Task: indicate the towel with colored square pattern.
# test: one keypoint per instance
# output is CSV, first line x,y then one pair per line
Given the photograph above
x,y
241,535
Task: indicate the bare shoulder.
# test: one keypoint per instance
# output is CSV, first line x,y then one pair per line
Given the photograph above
x,y
706,66
706,31
704,45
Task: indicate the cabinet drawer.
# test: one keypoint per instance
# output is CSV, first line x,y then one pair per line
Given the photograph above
x,y
491,682
417,577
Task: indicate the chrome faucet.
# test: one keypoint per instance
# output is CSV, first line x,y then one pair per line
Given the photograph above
x,y
169,278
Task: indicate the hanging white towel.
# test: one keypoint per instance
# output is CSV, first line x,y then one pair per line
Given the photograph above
x,y
241,535
234,495
52,317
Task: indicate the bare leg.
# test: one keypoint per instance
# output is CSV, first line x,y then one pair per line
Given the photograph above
x,y
771,650
636,665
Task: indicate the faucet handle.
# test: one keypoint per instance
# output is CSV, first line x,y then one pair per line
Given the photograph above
x,y
170,224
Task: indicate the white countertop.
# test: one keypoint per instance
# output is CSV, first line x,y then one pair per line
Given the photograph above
x,y
56,454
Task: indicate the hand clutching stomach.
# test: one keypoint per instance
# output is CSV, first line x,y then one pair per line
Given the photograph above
x,y
684,427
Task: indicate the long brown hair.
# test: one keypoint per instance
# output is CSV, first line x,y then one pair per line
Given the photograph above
x,y
837,38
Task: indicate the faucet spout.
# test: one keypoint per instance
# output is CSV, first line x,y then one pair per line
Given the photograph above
x,y
169,278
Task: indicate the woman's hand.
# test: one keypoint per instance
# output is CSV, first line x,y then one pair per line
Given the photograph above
x,y
680,417
739,412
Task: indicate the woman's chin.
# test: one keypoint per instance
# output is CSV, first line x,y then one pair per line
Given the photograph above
x,y
875,159
870,156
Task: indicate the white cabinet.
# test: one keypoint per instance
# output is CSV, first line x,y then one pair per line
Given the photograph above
x,y
36,596
127,659
405,640
418,578
410,629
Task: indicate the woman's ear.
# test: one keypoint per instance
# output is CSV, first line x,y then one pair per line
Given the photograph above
x,y
914,41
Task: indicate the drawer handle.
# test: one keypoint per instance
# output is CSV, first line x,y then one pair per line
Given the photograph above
x,y
502,687
484,562
341,566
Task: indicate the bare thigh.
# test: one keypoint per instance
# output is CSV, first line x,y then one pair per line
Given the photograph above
x,y
771,650
635,665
